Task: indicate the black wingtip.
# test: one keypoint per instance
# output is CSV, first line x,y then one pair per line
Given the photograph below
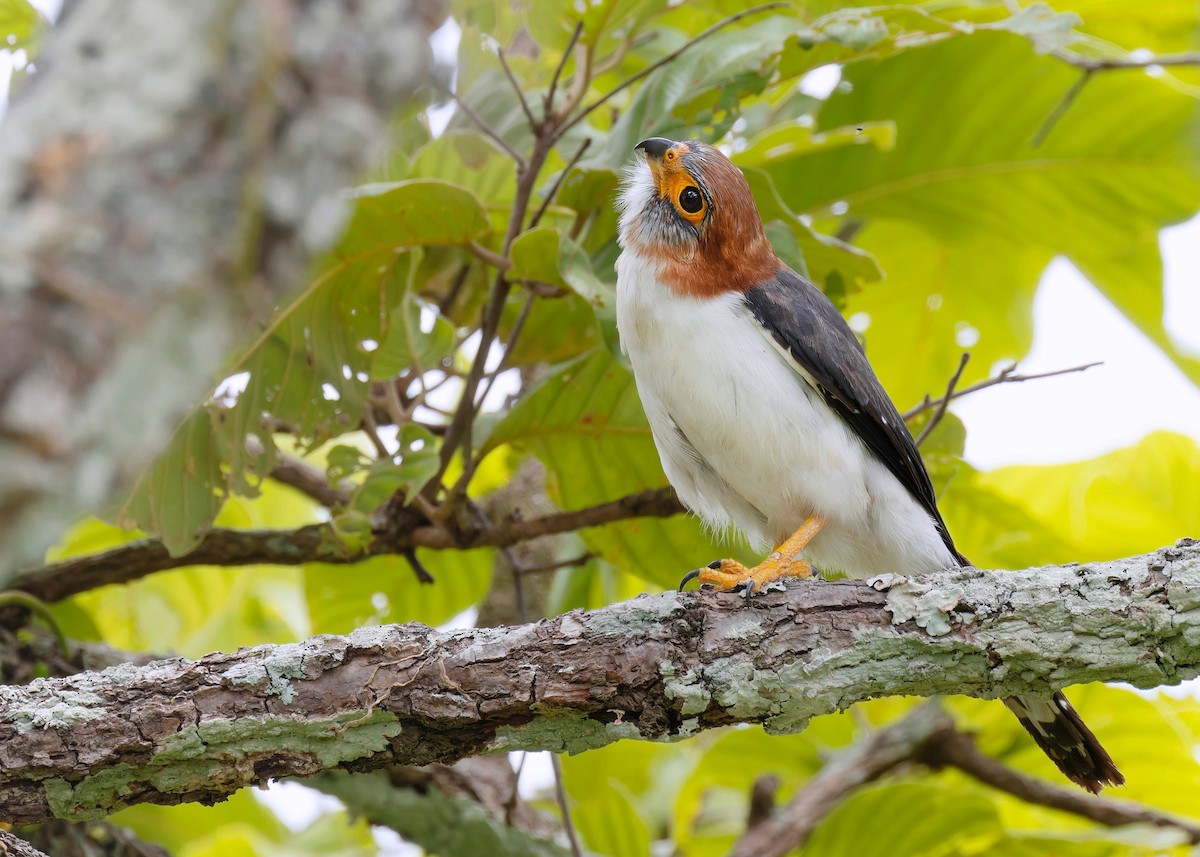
x,y
691,575
655,146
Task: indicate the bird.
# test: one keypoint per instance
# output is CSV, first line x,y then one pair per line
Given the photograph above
x,y
766,413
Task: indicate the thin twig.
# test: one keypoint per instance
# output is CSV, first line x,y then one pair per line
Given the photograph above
x,y
573,562
483,126
1090,66
558,182
1006,376
562,64
561,794
419,569
669,58
512,78
940,413
1126,63
1060,109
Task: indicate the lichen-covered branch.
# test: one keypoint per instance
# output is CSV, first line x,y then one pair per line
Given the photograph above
x,y
143,229
659,667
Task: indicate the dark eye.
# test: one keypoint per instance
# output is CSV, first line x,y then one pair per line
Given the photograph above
x,y
690,200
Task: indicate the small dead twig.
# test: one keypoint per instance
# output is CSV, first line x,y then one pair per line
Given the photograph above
x,y
558,183
940,412
483,126
1005,376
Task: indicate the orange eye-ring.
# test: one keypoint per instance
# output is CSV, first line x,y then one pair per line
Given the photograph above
x,y
689,201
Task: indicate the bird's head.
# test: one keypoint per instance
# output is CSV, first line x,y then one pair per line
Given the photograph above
x,y
688,210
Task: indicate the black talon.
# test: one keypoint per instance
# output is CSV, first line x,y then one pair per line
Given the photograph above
x,y
691,575
715,565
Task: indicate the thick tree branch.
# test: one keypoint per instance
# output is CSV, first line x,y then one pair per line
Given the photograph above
x,y
657,667
317,543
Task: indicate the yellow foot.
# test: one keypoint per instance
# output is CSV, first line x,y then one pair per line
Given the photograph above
x,y
726,574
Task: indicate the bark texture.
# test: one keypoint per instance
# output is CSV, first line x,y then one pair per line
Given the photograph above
x,y
164,177
659,667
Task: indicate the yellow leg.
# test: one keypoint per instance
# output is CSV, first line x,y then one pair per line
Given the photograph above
x,y
729,573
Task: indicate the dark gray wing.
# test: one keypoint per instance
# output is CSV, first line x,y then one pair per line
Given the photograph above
x,y
809,329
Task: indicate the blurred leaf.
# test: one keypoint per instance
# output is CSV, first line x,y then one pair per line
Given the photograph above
x,y
534,256
1046,29
418,455
178,498
922,818
384,589
19,23
585,423
964,215
1128,502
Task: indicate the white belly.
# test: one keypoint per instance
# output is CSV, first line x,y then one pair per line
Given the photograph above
x,y
746,441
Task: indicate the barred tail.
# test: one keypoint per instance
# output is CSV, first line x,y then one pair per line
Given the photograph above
x,y
1057,728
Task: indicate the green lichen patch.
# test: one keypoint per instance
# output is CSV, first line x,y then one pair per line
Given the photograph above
x,y
687,687
222,751
52,708
632,618
271,674
928,606
562,732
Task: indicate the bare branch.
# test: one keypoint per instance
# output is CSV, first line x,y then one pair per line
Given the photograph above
x,y
940,413
480,123
957,749
512,78
562,64
537,216
178,729
560,794
862,763
317,543
1006,376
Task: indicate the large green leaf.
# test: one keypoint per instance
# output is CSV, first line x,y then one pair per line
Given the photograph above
x,y
587,426
920,818
311,369
1130,501
963,214
385,589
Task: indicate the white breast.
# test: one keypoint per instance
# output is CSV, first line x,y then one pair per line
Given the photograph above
x,y
746,441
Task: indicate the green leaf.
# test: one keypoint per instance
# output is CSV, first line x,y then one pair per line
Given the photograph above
x,y
922,818
1124,503
534,256
697,94
418,454
19,24
586,424
409,213
964,214
178,498
384,589
1046,29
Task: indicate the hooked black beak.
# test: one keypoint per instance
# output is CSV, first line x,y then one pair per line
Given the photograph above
x,y
655,146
